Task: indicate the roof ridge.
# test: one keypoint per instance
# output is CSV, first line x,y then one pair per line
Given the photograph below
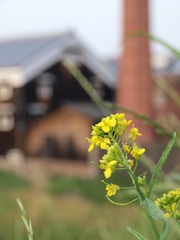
x,y
36,36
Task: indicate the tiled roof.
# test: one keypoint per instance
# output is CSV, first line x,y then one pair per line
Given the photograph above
x,y
35,54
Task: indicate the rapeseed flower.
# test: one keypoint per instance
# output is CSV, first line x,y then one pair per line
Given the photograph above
x,y
95,142
107,124
130,162
137,152
109,168
105,143
126,148
133,133
107,135
112,189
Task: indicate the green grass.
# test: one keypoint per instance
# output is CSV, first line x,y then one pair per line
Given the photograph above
x,y
69,209
9,181
92,189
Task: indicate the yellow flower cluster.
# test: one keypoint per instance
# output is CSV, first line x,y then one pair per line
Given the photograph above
x,y
169,203
134,151
115,123
106,135
109,160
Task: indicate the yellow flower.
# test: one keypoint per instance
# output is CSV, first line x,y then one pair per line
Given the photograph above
x,y
137,152
169,203
124,124
131,162
126,148
120,116
105,128
95,130
91,147
133,133
95,142
168,215
109,168
112,122
107,123
112,189
174,206
171,210
104,124
105,143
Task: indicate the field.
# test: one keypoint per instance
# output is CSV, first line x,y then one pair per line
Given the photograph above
x,y
68,209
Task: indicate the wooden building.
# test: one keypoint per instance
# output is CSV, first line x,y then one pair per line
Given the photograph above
x,y
43,109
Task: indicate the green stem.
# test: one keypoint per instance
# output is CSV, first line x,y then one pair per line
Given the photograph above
x,y
96,164
142,198
122,204
178,223
120,169
135,167
134,179
139,192
153,226
127,188
120,138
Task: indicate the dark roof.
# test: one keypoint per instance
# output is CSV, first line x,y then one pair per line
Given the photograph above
x,y
173,69
35,55
170,67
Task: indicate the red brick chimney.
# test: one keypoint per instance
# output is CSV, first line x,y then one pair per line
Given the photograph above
x,y
135,82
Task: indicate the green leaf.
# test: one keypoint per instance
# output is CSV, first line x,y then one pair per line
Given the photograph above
x,y
136,234
155,39
155,212
26,221
164,44
161,162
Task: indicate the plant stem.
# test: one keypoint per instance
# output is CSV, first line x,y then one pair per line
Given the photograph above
x,y
153,227
122,204
135,167
178,223
139,192
142,198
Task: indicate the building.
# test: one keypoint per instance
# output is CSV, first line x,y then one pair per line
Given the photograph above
x,y
43,109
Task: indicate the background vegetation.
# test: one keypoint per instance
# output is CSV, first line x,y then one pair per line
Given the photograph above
x,y
69,209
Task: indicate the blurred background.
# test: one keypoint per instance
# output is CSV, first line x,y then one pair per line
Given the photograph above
x,y
46,114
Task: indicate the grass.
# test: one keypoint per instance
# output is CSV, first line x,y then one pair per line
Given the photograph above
x,y
10,181
91,189
69,209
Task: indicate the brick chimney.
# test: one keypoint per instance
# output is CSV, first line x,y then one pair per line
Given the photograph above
x,y
134,81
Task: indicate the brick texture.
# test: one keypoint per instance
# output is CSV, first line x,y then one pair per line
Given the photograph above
x,y
134,88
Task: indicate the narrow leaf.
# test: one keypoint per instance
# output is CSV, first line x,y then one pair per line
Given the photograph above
x,y
165,231
168,46
155,212
26,221
161,162
163,43
136,234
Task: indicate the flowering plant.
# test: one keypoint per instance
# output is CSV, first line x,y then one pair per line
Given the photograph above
x,y
108,135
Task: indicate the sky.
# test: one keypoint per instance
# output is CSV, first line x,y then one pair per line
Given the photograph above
x,y
97,23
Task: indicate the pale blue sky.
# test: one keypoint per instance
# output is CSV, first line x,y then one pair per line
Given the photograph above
x,y
98,23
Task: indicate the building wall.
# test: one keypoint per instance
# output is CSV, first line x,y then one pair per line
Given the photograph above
x,y
61,133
